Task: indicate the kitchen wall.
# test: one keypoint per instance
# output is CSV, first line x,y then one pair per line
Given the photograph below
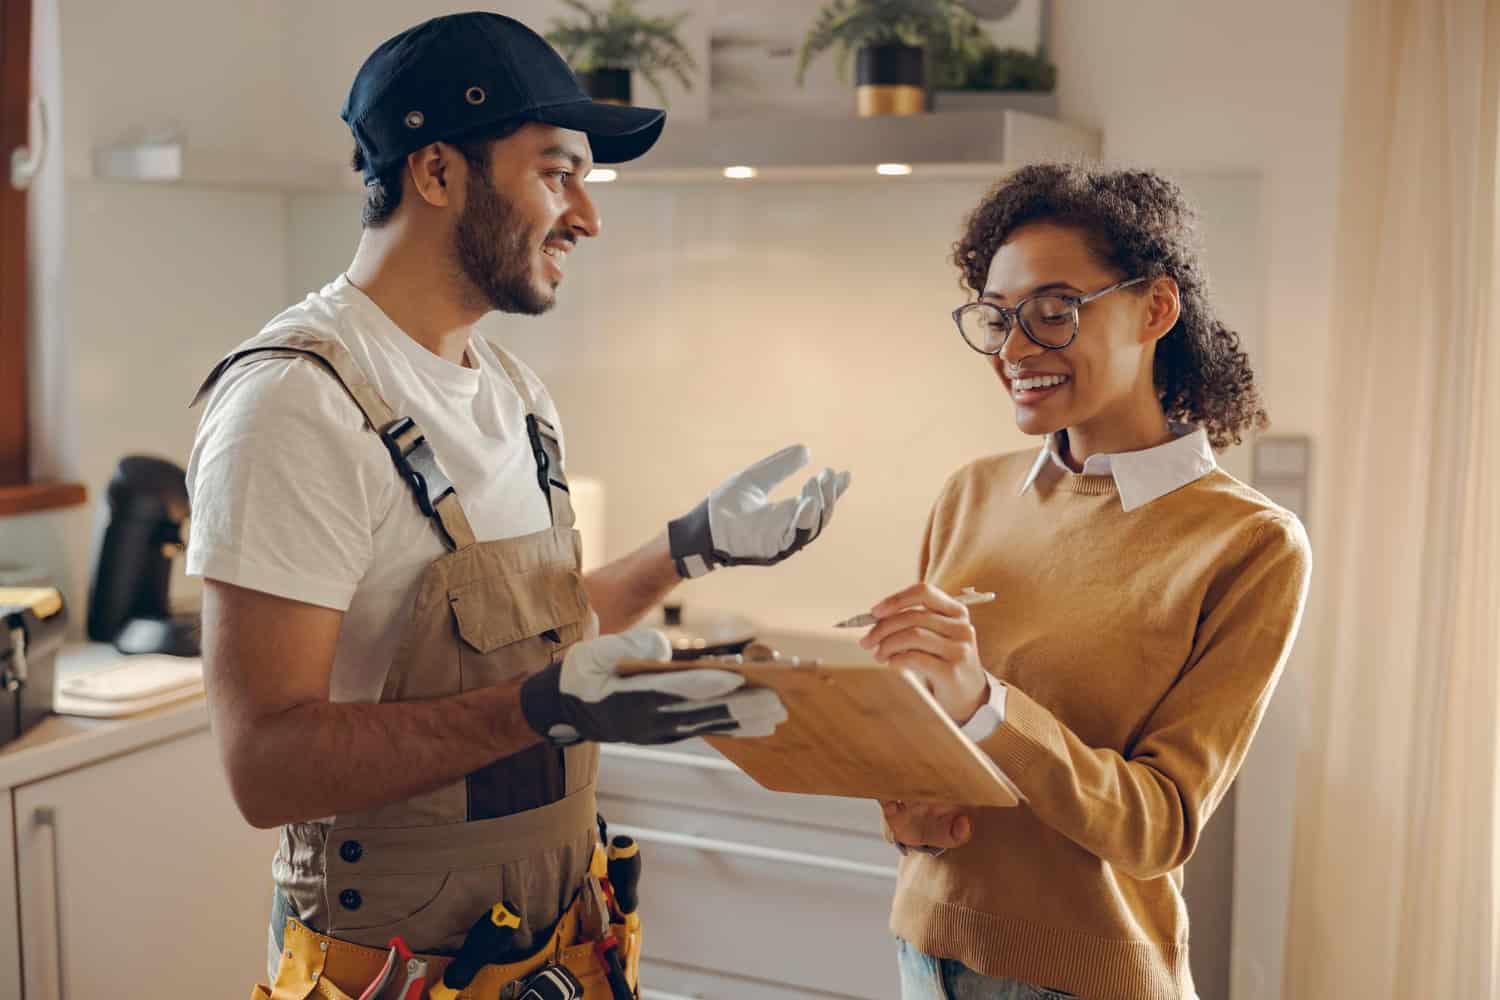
x,y
713,323
153,283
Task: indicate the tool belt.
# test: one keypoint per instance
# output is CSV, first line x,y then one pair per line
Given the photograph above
x,y
316,965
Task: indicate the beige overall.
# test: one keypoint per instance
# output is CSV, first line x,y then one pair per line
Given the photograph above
x,y
521,830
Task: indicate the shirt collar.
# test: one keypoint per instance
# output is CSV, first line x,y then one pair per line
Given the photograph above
x,y
1140,476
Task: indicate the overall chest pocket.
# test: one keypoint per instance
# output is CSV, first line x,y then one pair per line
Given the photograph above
x,y
513,625
510,626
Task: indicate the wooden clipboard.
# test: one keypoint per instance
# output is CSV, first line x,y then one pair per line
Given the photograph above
x,y
861,731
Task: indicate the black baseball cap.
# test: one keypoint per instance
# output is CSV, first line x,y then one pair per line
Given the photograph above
x,y
462,73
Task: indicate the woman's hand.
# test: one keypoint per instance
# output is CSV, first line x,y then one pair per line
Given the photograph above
x,y
926,826
923,629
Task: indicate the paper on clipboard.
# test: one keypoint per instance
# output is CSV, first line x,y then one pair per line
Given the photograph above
x,y
859,731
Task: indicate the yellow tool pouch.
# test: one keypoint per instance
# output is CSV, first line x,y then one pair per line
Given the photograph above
x,y
316,965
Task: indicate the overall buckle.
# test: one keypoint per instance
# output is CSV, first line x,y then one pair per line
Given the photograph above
x,y
546,448
416,463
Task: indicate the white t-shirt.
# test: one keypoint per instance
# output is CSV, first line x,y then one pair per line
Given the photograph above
x,y
293,495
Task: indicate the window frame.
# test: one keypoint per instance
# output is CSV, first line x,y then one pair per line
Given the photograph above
x,y
19,494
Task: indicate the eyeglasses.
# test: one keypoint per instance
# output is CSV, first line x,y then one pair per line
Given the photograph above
x,y
1050,320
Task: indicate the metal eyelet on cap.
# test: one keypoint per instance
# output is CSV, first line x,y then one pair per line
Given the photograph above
x,y
474,95
415,119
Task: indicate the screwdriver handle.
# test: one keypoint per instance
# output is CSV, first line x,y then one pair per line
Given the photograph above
x,y
486,941
625,872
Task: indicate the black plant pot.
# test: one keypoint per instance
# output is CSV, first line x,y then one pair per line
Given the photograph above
x,y
608,86
890,80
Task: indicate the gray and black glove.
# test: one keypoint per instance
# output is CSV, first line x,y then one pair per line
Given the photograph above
x,y
582,698
739,525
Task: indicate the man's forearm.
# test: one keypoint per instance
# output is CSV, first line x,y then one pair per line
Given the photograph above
x,y
322,759
627,588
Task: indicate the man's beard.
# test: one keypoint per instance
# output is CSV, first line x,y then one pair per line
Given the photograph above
x,y
494,251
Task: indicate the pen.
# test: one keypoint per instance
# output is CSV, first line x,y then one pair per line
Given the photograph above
x,y
968,596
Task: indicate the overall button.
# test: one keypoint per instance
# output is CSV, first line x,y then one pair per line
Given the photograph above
x,y
350,899
351,851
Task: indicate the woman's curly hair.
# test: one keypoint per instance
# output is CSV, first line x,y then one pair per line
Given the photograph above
x,y
1137,223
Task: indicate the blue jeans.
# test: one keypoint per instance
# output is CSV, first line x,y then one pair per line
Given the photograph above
x,y
926,978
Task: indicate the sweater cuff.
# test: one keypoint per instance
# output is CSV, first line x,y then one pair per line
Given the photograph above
x,y
1024,738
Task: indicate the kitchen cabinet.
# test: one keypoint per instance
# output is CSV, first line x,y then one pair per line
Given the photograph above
x,y
10,930
734,905
125,869
138,877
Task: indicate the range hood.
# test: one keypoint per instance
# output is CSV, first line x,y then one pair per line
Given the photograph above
x,y
954,143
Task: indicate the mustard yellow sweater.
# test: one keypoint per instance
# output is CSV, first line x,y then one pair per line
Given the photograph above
x,y
1140,650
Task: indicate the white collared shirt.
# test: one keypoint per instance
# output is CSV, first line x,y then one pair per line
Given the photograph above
x,y
1141,477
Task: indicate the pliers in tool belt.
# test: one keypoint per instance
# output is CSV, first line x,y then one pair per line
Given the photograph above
x,y
403,961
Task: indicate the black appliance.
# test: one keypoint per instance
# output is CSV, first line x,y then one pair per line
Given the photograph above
x,y
148,507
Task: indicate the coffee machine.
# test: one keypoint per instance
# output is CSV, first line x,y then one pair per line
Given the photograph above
x,y
128,602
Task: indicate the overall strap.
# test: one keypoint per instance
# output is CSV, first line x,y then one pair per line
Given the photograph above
x,y
546,446
414,458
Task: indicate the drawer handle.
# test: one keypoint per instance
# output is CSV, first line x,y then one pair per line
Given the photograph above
x,y
650,994
50,967
738,850
646,755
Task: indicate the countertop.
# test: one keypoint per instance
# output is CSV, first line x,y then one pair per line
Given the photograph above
x,y
64,742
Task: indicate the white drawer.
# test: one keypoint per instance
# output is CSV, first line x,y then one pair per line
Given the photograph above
x,y
694,775
800,909
669,981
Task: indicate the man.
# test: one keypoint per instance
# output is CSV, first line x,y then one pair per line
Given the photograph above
x,y
402,658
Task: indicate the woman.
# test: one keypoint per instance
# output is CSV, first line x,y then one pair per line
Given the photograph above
x,y
1146,602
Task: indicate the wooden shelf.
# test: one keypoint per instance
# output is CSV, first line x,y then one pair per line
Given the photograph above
x,y
175,163
964,143
983,139
40,496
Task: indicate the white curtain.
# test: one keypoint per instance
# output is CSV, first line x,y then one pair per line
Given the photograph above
x,y
1394,887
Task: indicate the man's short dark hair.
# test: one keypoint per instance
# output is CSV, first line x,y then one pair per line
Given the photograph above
x,y
383,193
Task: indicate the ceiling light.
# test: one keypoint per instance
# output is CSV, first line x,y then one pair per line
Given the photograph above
x,y
601,175
893,169
739,173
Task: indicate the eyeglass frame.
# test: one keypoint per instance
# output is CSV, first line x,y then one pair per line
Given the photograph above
x,y
1076,301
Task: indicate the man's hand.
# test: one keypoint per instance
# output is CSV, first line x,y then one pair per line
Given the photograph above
x,y
923,629
925,826
739,525
583,698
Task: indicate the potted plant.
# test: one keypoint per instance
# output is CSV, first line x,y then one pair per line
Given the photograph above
x,y
889,40
976,74
612,43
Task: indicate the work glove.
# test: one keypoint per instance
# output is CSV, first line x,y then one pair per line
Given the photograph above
x,y
739,525
582,698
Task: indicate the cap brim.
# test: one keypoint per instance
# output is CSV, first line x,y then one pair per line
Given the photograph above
x,y
617,133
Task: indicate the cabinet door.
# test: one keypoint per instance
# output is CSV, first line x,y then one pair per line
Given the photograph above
x,y
681,982
139,878
738,908
10,931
